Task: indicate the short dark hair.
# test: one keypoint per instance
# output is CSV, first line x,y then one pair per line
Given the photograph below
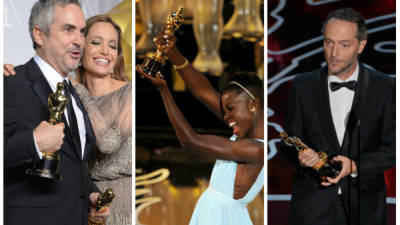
x,y
248,80
348,14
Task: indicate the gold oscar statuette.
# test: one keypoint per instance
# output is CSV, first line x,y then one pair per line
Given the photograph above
x,y
154,63
326,167
49,165
103,200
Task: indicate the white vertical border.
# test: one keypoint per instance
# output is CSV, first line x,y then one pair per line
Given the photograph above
x,y
265,112
1,117
133,112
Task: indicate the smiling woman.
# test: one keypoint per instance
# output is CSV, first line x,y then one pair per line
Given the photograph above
x,y
238,174
103,54
101,49
103,88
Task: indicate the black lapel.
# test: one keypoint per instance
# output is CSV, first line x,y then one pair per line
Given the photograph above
x,y
351,135
362,88
42,88
324,110
90,138
40,84
356,107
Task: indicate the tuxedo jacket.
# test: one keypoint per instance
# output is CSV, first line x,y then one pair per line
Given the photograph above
x,y
29,199
369,140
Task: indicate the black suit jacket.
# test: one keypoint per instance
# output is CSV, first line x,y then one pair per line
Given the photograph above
x,y
309,118
28,199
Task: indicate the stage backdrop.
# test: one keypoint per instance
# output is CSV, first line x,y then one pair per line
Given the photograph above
x,y
17,42
295,46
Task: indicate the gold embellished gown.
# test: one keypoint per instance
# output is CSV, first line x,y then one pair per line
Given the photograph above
x,y
110,165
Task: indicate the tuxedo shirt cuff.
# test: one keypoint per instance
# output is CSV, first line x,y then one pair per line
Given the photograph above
x,y
37,147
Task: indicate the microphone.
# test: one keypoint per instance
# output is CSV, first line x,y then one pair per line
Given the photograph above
x,y
354,126
353,120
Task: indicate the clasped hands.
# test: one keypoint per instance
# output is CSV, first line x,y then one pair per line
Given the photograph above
x,y
308,158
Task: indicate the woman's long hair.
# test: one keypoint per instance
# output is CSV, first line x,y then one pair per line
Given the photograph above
x,y
119,68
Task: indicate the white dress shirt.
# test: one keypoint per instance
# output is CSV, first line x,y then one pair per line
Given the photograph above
x,y
53,77
341,101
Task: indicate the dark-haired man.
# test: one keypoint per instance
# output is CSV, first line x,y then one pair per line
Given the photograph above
x,y
346,110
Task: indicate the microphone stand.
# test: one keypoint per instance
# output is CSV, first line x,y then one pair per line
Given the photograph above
x,y
352,126
355,128
354,132
358,125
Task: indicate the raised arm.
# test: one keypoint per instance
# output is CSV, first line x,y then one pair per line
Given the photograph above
x,y
197,83
245,150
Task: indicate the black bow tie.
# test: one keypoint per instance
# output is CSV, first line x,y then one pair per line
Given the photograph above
x,y
352,85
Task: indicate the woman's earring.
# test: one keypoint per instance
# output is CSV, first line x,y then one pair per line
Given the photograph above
x,y
80,64
112,73
252,109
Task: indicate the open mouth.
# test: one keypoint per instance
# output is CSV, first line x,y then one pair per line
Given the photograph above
x,y
234,126
76,54
102,61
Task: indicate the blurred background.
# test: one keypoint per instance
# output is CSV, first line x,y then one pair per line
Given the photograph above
x,y
18,47
218,37
295,46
